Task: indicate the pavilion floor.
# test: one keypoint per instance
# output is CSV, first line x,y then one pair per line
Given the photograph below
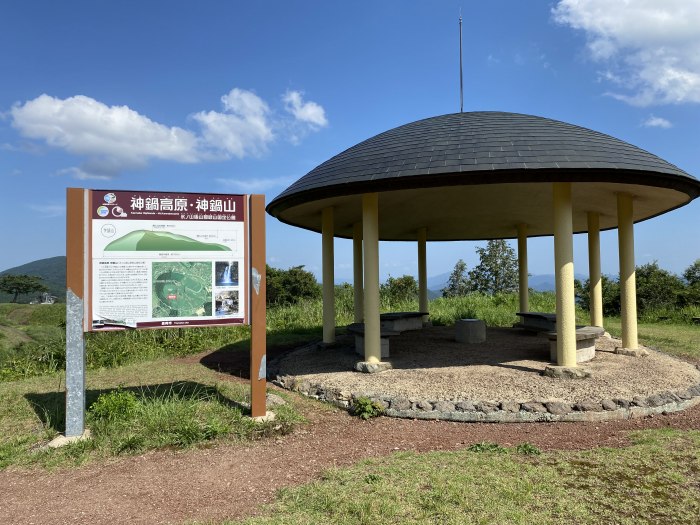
x,y
429,364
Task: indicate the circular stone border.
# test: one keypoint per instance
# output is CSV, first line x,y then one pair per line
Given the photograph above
x,y
503,411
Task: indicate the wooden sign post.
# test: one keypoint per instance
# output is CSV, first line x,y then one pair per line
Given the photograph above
x,y
139,259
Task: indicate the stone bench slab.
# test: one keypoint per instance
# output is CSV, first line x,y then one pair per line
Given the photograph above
x,y
402,321
537,321
585,343
359,330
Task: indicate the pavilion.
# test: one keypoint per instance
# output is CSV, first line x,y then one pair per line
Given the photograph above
x,y
478,176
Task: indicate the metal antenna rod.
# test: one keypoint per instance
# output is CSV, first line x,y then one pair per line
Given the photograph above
x,y
461,82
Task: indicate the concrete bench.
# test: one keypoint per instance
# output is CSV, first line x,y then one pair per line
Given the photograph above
x,y
470,331
537,321
585,343
402,321
359,330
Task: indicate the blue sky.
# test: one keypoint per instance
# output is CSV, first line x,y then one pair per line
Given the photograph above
x,y
246,97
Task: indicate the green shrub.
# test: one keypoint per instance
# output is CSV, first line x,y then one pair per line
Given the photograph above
x,y
610,292
290,286
528,449
399,289
371,479
485,446
118,404
656,288
365,408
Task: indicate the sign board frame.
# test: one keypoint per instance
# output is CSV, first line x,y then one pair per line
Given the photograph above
x,y
86,207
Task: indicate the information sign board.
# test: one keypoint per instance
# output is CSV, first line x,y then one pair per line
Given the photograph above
x,y
162,260
137,259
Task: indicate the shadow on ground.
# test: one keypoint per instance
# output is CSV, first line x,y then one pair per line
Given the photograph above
x,y
430,348
50,407
234,359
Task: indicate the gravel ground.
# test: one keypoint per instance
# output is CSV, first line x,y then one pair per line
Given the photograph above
x,y
430,364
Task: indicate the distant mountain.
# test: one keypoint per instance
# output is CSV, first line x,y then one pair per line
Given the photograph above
x,y
545,282
540,283
438,282
52,271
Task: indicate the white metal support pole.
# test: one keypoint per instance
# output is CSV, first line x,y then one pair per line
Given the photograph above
x,y
77,261
595,286
370,236
564,273
423,273
358,291
522,269
328,277
628,284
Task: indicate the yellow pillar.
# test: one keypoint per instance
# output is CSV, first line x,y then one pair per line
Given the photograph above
x,y
422,235
357,271
370,241
328,277
595,287
564,274
522,268
628,286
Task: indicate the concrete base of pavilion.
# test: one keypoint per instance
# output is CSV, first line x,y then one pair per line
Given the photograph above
x,y
432,376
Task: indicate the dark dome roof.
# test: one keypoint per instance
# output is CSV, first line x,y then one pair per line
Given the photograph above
x,y
481,148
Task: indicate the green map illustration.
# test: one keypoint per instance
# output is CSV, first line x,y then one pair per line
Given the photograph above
x,y
148,241
182,289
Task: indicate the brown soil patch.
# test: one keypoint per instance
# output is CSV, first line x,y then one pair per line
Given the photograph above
x,y
233,481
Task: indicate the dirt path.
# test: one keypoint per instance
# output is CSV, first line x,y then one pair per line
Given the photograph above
x,y
232,481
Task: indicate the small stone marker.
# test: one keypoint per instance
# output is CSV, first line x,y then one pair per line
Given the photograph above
x,y
631,352
269,416
372,368
565,372
62,441
470,331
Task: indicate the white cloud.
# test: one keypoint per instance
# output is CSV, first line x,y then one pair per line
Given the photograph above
x,y
308,112
242,129
83,126
651,49
112,139
657,122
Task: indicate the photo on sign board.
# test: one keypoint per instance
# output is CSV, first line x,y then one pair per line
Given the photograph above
x,y
182,289
226,273
226,302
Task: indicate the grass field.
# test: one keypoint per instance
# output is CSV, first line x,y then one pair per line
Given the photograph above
x,y
682,340
131,409
653,481
141,399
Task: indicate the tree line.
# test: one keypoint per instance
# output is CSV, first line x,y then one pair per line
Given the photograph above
x,y
17,285
658,290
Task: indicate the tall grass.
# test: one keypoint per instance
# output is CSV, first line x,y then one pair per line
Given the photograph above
x,y
495,310
286,324
166,405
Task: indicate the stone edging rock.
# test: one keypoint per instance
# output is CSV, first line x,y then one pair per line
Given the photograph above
x,y
504,411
